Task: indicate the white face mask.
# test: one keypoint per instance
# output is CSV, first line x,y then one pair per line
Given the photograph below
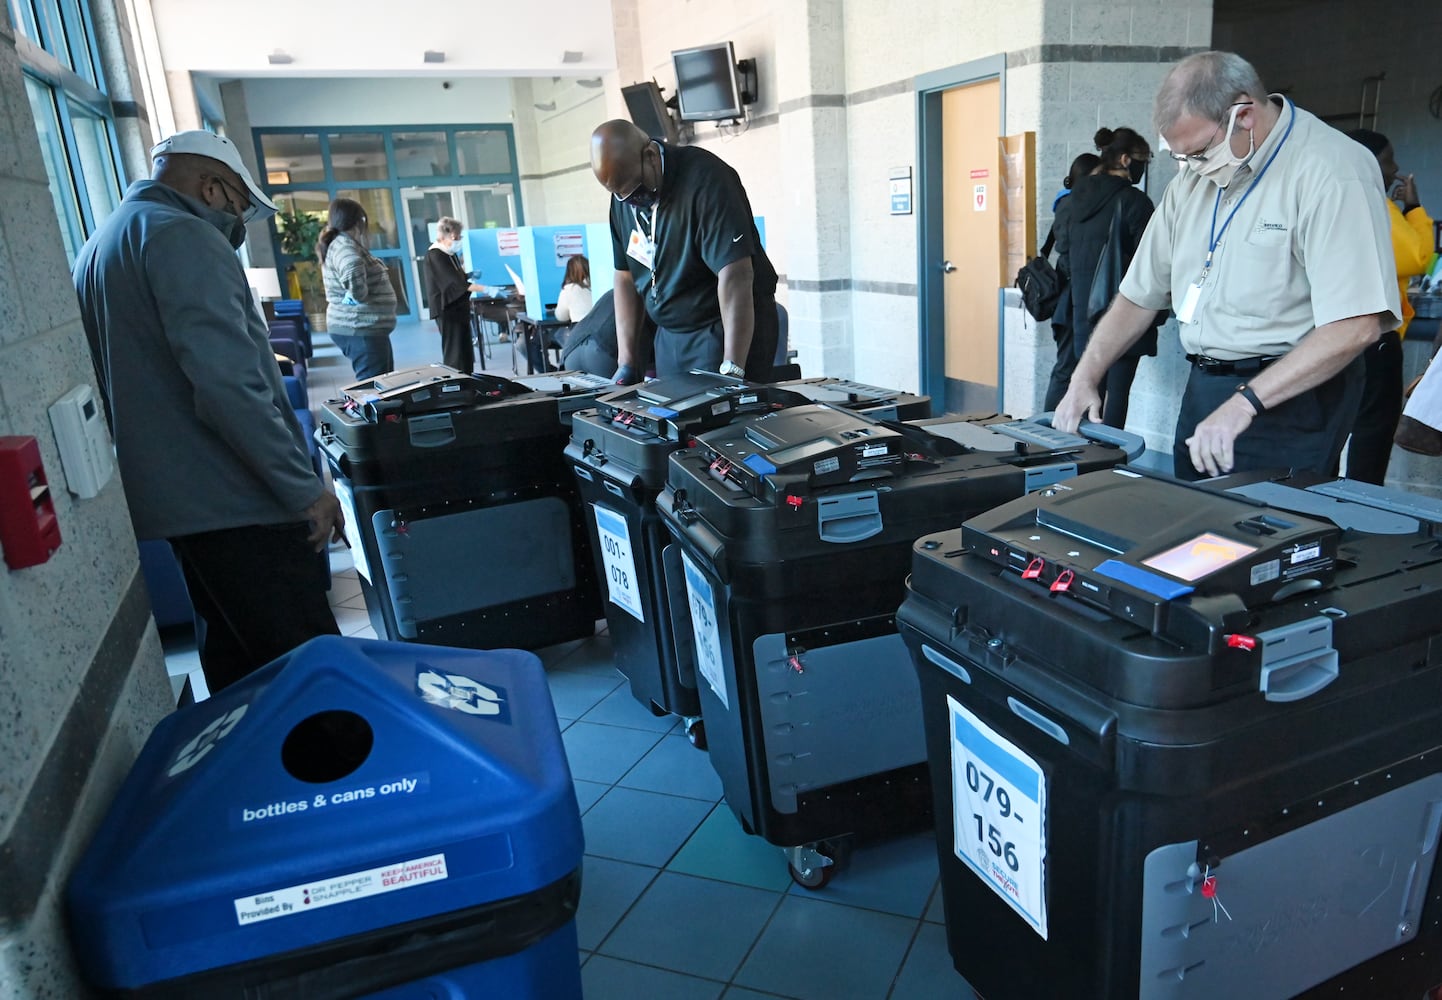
x,y
1219,164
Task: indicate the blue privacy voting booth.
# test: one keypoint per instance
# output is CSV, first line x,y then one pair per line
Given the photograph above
x,y
359,818
537,256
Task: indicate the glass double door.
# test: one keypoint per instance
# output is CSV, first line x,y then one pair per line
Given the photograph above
x,y
478,206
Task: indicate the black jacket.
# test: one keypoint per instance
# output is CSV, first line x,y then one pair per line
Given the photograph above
x,y
1081,234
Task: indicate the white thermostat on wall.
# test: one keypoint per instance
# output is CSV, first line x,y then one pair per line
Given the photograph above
x,y
85,449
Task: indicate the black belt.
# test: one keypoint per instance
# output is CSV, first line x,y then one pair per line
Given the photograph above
x,y
1241,366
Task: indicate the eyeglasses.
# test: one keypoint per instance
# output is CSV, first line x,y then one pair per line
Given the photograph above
x,y
1201,156
244,195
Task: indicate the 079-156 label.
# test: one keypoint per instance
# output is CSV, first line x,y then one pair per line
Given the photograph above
x,y
999,804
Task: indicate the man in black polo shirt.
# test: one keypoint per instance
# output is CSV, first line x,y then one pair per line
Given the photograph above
x,y
687,251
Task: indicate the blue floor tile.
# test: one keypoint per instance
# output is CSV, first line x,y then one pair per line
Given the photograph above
x,y
823,951
575,694
927,973
721,850
739,993
894,876
592,655
604,753
692,925
675,767
936,912
640,827
608,888
587,792
620,708
609,979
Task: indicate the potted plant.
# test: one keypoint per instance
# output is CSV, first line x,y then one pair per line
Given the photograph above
x,y
299,232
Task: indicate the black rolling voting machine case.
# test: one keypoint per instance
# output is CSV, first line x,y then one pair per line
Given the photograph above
x,y
1184,739
461,509
795,530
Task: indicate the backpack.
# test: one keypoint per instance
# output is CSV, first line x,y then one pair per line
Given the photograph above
x,y
1040,285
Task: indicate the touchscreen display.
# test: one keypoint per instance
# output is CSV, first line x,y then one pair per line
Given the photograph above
x,y
1199,556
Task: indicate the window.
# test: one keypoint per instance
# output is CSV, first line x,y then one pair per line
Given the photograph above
x,y
97,165
484,152
65,90
385,169
422,154
358,156
292,158
57,167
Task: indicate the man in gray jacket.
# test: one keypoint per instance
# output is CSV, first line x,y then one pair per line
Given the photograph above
x,y
211,454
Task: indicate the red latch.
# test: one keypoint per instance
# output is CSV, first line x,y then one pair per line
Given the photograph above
x,y
794,502
794,662
1033,569
1063,582
1237,641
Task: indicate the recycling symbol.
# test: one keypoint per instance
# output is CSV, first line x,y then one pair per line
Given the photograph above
x,y
460,693
205,740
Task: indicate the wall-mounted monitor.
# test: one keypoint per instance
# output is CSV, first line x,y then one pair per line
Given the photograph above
x,y
648,110
707,83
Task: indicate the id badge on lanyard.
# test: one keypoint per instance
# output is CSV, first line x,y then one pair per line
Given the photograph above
x,y
642,245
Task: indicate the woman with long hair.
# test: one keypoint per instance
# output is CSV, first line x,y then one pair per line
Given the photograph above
x,y
575,299
360,310
1106,205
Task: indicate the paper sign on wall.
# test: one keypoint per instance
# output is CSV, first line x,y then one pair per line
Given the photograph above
x,y
978,197
569,245
900,182
508,242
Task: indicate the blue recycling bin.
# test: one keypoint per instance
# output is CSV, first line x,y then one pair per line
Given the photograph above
x,y
359,818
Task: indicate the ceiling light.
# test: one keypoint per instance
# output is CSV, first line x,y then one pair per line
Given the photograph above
x,y
570,56
280,57
435,56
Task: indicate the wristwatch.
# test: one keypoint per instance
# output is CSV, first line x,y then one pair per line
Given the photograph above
x,y
1250,395
732,369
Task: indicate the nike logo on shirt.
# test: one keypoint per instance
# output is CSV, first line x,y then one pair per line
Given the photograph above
x,y
738,239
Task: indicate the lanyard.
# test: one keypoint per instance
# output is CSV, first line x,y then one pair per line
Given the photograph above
x,y
1216,237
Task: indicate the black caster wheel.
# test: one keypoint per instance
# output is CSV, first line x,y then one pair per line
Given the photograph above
x,y
696,733
812,866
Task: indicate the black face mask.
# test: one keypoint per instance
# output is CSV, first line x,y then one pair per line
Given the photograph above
x,y
640,199
1136,170
236,234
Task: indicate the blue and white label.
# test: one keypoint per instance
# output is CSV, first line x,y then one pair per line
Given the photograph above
x,y
999,805
620,564
703,625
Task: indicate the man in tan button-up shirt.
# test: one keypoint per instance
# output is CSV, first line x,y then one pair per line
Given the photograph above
x,y
1273,249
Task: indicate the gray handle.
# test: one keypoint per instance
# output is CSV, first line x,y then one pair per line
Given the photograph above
x,y
1132,444
434,430
1293,680
848,517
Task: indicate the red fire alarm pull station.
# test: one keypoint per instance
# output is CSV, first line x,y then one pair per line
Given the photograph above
x,y
29,530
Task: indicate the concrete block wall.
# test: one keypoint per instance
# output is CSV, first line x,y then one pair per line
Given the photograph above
x,y
82,677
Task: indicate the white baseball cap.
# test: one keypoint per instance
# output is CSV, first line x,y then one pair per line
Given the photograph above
x,y
199,142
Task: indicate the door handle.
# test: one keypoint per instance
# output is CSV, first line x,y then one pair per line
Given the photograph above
x,y
947,267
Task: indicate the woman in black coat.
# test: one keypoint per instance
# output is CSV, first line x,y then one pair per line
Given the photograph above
x,y
448,294
1095,202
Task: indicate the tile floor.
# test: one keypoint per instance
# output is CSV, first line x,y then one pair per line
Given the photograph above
x,y
677,902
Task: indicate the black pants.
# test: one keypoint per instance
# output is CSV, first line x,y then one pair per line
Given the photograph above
x,y
1381,408
1117,391
258,591
678,352
457,350
1304,433
1061,371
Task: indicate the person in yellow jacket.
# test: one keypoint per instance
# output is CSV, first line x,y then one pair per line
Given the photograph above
x,y
1371,443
